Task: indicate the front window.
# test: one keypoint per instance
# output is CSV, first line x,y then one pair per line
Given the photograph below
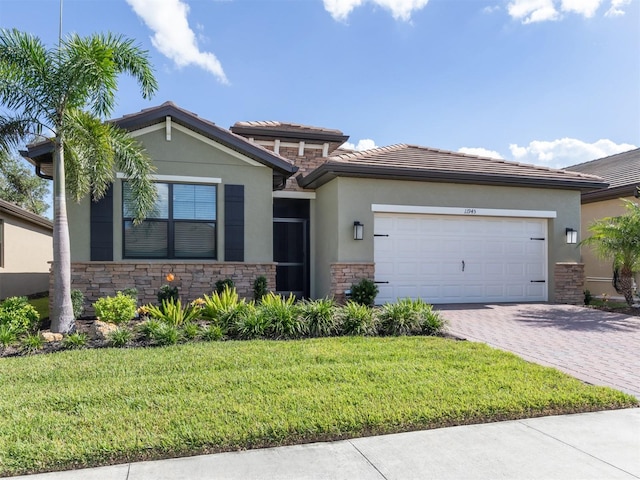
x,y
182,223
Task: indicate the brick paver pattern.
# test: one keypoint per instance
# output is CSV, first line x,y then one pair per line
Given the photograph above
x,y
599,348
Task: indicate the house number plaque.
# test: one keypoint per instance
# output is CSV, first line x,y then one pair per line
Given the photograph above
x,y
470,211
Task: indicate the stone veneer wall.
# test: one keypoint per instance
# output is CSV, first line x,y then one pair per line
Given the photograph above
x,y
99,279
343,275
569,279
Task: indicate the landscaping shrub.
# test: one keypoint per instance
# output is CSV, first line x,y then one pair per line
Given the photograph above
x,y
222,285
319,317
223,308
432,322
212,333
166,335
281,315
172,313
167,293
249,324
119,309
364,292
77,303
131,292
31,343
404,317
149,328
7,336
74,341
357,319
19,316
588,297
190,331
120,337
259,288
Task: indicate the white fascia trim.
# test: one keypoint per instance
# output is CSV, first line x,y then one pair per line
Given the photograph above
x,y
202,138
177,178
464,211
307,146
290,194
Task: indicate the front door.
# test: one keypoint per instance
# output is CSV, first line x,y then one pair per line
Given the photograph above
x,y
291,246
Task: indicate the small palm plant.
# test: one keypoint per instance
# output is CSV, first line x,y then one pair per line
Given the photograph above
x,y
618,238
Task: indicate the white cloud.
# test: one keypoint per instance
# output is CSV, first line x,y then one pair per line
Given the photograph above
x,y
565,151
616,8
364,144
400,9
531,11
172,35
480,152
586,8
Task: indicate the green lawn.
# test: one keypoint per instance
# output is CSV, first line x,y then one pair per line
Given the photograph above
x,y
41,305
93,407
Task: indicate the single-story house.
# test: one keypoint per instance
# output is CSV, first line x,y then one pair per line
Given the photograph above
x,y
282,200
26,248
622,173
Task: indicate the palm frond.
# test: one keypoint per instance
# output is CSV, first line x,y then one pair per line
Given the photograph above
x,y
25,81
91,66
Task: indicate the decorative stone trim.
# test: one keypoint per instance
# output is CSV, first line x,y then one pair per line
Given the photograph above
x,y
99,279
569,283
343,275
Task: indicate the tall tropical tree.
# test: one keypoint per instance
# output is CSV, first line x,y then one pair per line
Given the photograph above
x,y
20,186
618,239
63,95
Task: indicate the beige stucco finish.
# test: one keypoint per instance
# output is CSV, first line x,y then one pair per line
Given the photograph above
x,y
343,200
27,250
598,272
188,154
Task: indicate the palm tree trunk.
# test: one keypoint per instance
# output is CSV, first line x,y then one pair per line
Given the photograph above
x,y
626,284
62,320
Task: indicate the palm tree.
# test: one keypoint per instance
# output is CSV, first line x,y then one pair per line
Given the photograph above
x,y
62,95
618,238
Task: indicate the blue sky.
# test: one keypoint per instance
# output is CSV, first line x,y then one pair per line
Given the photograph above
x,y
551,82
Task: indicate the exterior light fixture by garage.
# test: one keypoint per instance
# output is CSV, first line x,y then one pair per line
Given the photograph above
x,y
572,235
358,230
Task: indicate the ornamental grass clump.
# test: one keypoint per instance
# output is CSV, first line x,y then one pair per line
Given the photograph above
x,y
282,316
120,337
117,310
31,343
404,317
74,341
7,336
357,319
320,317
173,313
224,308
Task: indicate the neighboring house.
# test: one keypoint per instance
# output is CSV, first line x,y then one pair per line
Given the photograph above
x,y
280,200
622,173
26,248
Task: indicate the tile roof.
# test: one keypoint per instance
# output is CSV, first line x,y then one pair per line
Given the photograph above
x,y
617,170
19,212
422,163
271,128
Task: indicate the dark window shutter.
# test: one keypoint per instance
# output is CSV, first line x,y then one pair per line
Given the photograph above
x,y
102,228
234,223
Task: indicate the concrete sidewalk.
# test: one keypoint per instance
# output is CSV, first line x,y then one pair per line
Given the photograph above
x,y
583,446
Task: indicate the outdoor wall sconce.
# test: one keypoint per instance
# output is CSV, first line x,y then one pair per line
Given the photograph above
x,y
358,230
572,235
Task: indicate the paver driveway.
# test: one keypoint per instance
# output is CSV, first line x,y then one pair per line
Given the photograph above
x,y
597,347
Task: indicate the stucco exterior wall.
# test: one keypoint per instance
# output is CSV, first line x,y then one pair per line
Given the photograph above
x,y
192,155
599,272
324,237
27,251
354,196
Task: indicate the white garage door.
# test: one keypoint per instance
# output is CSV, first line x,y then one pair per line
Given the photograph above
x,y
460,259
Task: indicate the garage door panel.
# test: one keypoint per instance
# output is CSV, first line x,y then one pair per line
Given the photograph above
x,y
423,255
